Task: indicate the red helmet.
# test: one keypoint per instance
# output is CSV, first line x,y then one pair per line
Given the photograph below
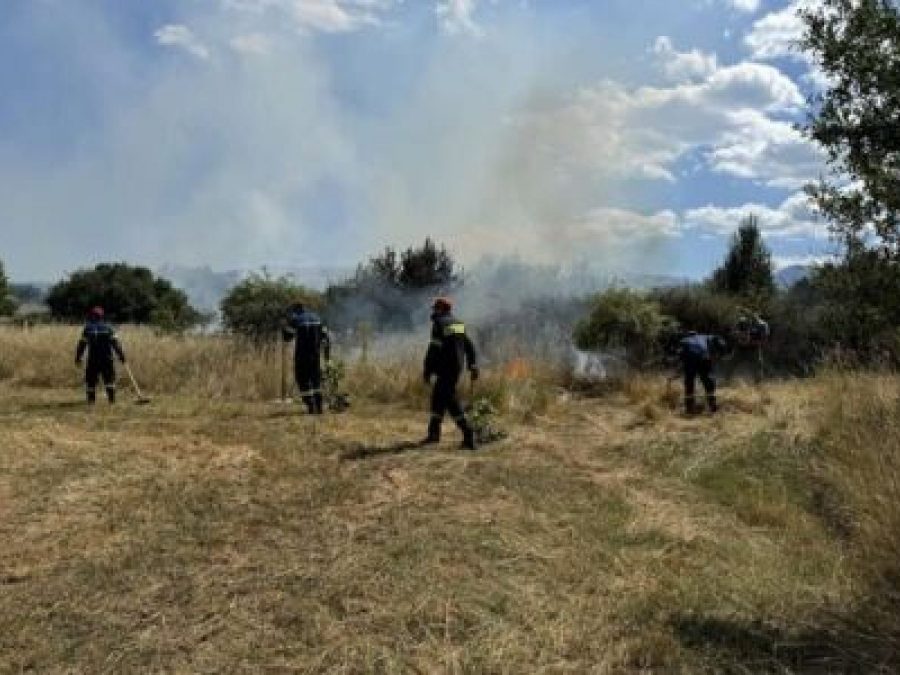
x,y
96,312
442,304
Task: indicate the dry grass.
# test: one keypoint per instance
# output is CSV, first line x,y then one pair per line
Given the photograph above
x,y
211,532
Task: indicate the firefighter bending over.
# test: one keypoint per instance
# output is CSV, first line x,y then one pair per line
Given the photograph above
x,y
100,341
310,338
697,353
449,352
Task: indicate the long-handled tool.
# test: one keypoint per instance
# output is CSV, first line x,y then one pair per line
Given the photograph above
x,y
141,399
284,385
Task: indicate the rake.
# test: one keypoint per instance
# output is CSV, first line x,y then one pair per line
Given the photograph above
x,y
141,399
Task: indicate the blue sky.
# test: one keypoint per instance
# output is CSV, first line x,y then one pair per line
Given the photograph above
x,y
243,133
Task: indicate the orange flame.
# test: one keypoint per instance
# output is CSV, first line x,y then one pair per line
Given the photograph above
x,y
517,369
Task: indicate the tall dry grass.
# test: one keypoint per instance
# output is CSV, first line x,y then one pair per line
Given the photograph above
x,y
222,367
858,448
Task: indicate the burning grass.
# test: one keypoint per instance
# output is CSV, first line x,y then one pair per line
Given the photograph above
x,y
224,534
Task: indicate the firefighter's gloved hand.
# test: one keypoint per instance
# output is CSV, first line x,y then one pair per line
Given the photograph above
x,y
473,373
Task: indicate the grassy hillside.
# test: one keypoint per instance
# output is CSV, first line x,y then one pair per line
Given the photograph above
x,y
211,532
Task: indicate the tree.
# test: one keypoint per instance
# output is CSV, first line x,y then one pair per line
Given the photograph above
x,y
747,269
856,45
128,295
256,308
389,289
7,302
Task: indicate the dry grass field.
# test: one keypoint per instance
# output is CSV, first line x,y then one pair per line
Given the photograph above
x,y
215,530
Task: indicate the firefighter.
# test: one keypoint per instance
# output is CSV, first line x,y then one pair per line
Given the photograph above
x,y
311,339
449,352
100,341
697,353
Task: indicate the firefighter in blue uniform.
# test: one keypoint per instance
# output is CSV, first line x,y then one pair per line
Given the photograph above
x,y
698,352
100,341
311,340
449,352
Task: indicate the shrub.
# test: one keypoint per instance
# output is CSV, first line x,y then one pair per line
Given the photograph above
x,y
698,308
256,308
621,318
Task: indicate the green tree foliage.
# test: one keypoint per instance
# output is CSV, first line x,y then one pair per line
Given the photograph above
x,y
622,318
747,269
856,120
861,310
389,289
256,308
128,295
856,44
7,301
699,308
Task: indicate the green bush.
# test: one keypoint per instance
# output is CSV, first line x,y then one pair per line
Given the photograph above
x,y
699,308
622,318
257,307
860,310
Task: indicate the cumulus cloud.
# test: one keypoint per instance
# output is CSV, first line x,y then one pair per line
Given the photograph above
x,y
683,66
615,131
794,218
775,35
182,37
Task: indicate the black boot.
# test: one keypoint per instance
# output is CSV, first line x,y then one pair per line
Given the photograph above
x,y
468,433
469,439
317,400
91,397
712,404
111,394
434,432
310,405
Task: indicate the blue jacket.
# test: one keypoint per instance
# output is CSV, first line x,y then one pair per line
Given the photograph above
x,y
100,341
309,334
697,346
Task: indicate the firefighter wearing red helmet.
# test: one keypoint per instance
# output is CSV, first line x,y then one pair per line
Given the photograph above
x,y
100,341
449,352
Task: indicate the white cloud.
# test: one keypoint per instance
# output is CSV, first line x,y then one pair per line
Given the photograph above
x,y
328,16
765,150
614,131
794,218
182,37
457,16
683,66
745,5
776,34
